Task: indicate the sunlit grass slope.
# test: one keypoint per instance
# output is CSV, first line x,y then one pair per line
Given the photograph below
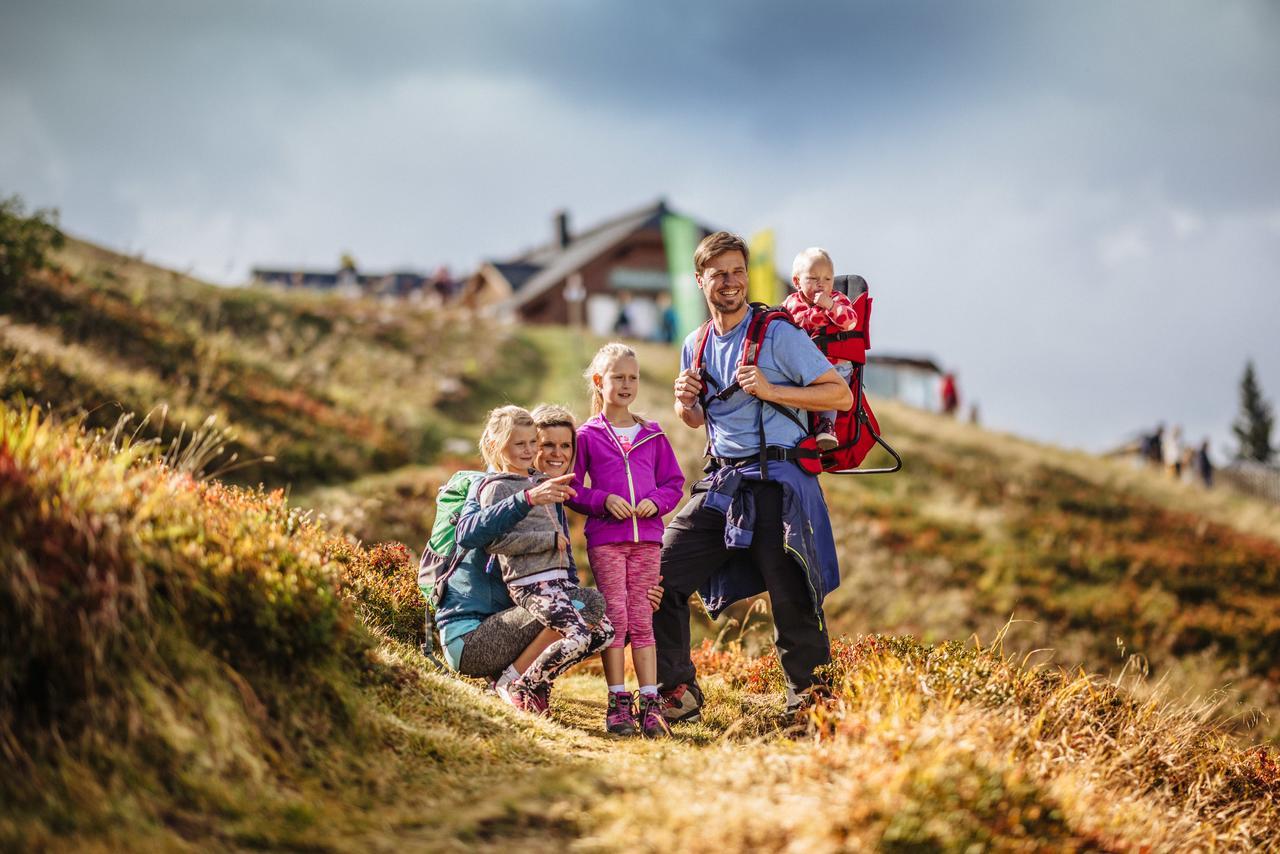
x,y
189,665
312,389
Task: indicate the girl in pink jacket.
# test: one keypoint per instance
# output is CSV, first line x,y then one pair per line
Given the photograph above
x,y
627,477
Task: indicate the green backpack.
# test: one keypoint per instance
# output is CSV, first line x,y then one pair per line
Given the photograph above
x,y
440,557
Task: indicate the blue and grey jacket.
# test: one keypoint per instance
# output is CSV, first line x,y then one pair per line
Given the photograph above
x,y
475,589
806,528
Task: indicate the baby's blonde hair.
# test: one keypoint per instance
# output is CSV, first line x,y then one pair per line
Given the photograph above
x,y
498,428
806,258
604,357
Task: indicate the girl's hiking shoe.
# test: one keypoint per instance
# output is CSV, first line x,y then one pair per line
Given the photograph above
x,y
620,716
651,720
682,703
528,699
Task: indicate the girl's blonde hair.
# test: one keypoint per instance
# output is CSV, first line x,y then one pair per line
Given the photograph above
x,y
546,415
604,357
498,428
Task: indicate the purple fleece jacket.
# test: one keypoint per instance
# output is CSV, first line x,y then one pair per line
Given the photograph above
x,y
649,470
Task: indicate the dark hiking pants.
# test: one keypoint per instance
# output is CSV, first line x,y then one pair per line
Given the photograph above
x,y
693,548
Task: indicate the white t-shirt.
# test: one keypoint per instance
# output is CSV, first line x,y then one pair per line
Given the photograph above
x,y
627,435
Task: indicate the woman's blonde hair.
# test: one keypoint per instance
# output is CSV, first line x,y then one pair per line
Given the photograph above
x,y
547,415
498,428
604,357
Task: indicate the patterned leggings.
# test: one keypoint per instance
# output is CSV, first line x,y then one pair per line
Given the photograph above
x,y
551,603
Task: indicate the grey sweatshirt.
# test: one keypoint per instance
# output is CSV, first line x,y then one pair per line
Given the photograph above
x,y
529,547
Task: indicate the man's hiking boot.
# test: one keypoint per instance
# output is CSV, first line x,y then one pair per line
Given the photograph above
x,y
682,703
527,699
652,723
826,435
620,716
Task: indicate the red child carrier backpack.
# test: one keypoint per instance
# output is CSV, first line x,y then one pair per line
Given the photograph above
x,y
856,430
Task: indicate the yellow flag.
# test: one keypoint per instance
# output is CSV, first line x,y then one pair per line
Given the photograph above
x,y
764,285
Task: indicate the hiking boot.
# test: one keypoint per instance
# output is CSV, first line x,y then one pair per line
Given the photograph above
x,y
652,723
682,703
527,699
620,716
543,693
826,435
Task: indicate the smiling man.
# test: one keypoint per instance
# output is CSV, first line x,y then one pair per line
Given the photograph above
x,y
748,527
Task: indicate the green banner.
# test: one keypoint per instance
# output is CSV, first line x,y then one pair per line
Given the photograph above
x,y
680,236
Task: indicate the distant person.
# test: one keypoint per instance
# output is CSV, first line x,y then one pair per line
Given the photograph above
x,y
1155,447
950,397
1203,465
817,308
1171,451
974,417
623,325
666,319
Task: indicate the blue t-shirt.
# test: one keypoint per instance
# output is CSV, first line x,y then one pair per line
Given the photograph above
x,y
787,357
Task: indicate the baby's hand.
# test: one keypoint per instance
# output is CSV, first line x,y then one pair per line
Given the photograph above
x,y
825,300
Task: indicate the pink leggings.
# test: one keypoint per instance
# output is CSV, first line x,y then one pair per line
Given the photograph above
x,y
624,573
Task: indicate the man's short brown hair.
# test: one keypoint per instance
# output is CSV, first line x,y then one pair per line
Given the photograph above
x,y
717,244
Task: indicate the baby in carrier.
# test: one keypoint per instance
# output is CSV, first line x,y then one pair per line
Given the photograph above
x,y
817,307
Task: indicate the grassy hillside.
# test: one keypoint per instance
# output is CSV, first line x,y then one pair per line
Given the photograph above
x,y
190,664
306,389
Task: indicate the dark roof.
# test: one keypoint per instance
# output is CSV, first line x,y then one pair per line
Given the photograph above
x,y
517,273
552,263
924,363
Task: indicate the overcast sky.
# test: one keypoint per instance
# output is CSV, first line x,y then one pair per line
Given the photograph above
x,y
1074,205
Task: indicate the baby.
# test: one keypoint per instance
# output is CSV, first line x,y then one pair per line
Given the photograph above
x,y
817,308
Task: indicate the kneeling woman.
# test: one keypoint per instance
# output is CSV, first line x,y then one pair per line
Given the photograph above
x,y
484,634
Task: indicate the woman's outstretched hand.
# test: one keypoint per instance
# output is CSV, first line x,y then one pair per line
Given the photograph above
x,y
654,594
552,491
619,507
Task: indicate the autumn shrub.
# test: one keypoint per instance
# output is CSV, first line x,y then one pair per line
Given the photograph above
x,y
106,549
382,582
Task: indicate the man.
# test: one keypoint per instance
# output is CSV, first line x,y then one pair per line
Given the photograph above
x,y
748,527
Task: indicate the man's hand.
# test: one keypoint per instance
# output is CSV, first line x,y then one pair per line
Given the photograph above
x,y
646,508
753,382
552,491
688,387
619,507
654,595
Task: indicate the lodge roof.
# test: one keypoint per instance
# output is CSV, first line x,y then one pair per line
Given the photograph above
x,y
540,269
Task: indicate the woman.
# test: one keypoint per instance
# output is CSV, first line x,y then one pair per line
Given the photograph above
x,y
483,633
